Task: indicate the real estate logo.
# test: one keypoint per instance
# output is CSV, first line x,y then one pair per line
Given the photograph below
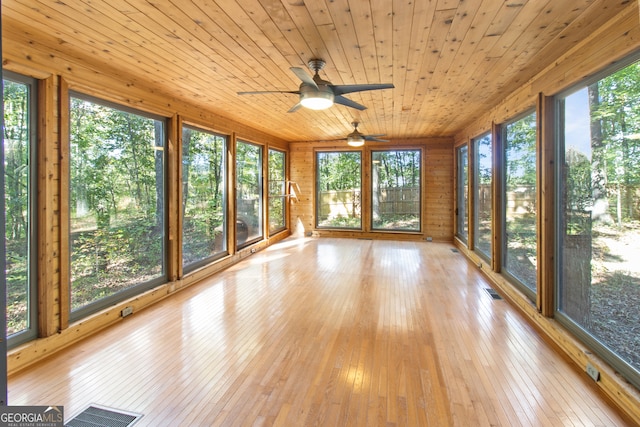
x,y
31,416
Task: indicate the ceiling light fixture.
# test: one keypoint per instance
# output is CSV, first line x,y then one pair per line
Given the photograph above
x,y
355,141
316,99
355,138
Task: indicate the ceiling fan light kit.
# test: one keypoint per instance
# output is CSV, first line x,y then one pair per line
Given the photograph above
x,y
355,141
318,94
316,99
357,138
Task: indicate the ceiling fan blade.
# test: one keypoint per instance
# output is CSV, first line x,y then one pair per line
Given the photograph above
x,y
259,92
294,108
374,138
302,75
349,103
342,89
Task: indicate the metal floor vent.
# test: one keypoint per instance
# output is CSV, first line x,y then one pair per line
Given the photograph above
x,y
493,293
454,250
95,415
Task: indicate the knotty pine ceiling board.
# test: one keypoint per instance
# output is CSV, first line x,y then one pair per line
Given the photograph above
x,y
449,59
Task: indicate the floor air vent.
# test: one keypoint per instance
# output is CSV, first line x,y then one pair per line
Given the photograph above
x,y
102,416
493,293
454,250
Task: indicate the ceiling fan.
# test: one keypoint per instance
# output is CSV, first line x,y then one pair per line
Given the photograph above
x,y
318,94
357,139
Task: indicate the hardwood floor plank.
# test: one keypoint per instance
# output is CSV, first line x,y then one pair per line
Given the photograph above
x,y
326,332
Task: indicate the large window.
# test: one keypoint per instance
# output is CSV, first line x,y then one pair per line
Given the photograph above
x,y
203,196
519,196
482,189
599,222
248,193
462,197
117,199
396,190
19,174
338,189
277,190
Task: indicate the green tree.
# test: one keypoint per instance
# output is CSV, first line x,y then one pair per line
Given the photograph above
x,y
615,117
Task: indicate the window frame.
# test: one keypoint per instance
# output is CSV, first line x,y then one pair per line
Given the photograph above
x,y
283,197
420,186
626,370
97,305
317,153
31,332
529,293
462,193
487,256
261,209
186,268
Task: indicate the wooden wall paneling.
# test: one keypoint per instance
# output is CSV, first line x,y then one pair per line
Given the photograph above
x,y
173,157
302,173
439,171
48,210
546,231
437,191
64,285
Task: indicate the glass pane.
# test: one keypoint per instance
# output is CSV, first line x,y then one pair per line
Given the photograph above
x,y
483,179
338,199
276,191
520,200
396,190
203,195
463,193
116,201
600,222
17,137
248,192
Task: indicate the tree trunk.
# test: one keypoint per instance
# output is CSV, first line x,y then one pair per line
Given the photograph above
x,y
159,158
598,163
186,162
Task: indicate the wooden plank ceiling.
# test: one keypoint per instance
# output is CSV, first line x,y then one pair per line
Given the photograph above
x,y
449,60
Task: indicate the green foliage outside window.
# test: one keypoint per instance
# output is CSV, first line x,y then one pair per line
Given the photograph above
x,y
203,195
338,189
520,200
17,134
277,190
462,196
483,196
248,192
396,190
600,221
116,200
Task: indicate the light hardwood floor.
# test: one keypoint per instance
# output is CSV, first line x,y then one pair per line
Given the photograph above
x,y
326,332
